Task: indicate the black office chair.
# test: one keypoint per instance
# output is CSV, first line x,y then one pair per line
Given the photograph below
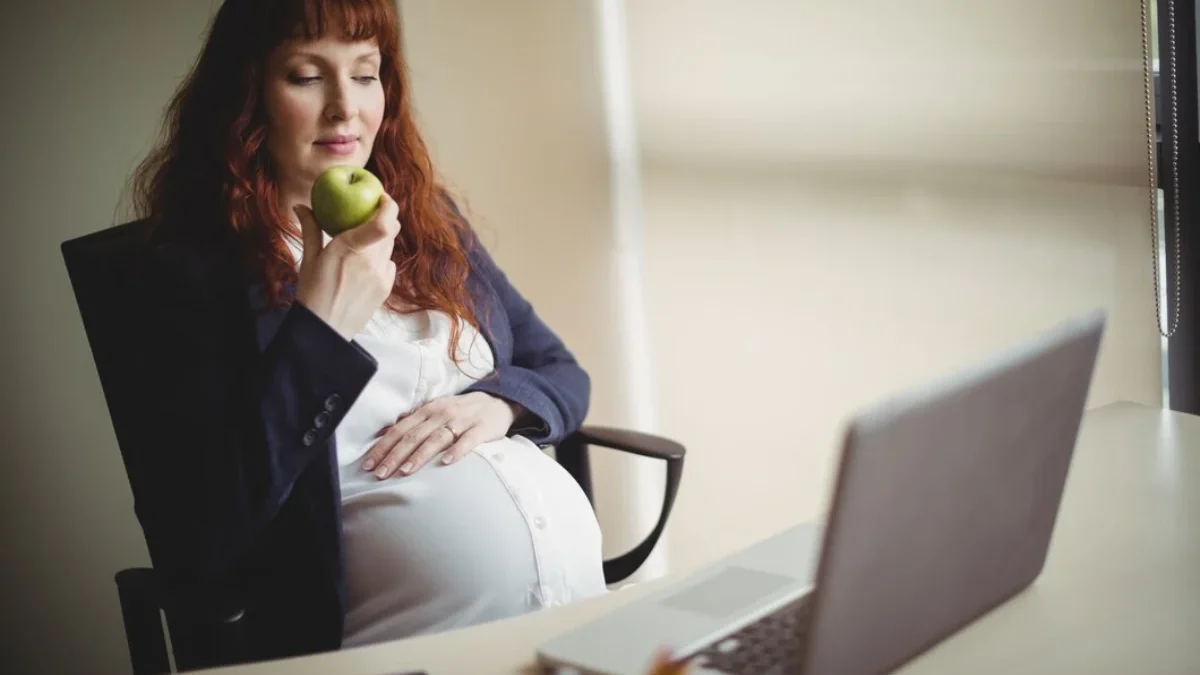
x,y
98,266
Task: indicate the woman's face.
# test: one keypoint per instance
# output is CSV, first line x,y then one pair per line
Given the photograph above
x,y
324,105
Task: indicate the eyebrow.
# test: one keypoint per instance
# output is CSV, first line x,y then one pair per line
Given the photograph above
x,y
365,56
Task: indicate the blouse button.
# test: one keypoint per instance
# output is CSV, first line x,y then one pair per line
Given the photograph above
x,y
499,457
539,523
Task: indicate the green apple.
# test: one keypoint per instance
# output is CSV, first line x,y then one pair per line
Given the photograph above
x,y
344,197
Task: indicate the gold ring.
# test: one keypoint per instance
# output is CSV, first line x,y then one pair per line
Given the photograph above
x,y
452,432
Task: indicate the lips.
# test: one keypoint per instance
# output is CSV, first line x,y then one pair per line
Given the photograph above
x,y
337,140
339,145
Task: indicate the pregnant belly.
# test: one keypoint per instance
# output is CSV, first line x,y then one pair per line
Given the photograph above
x,y
503,531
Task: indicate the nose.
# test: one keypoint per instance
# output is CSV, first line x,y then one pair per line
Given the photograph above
x,y
341,105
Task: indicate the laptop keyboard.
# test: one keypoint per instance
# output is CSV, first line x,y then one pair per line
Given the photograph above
x,y
772,644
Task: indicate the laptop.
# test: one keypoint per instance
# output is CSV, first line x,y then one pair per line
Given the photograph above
x,y
943,508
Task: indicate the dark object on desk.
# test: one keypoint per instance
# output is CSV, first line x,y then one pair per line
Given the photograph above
x,y
96,264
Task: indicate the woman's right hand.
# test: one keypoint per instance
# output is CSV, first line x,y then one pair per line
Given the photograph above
x,y
345,281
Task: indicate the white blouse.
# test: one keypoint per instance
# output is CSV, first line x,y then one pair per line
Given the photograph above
x,y
503,531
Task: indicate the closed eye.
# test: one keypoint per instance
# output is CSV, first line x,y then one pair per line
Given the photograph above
x,y
364,79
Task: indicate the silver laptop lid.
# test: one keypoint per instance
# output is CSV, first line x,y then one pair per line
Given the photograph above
x,y
945,502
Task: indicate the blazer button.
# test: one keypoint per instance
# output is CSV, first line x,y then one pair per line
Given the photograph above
x,y
322,419
310,437
332,402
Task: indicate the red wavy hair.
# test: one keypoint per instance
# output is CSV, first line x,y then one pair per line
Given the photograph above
x,y
210,174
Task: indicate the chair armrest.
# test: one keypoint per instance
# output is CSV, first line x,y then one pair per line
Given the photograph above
x,y
138,591
572,454
635,442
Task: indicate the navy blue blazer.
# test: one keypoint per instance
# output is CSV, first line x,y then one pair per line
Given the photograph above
x,y
234,470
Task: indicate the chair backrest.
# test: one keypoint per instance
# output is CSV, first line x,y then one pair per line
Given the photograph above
x,y
99,266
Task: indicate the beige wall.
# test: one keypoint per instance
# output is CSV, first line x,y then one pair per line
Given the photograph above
x,y
1023,85
782,293
845,198
796,298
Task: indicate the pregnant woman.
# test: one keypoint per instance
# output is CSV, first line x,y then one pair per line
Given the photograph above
x,y
343,435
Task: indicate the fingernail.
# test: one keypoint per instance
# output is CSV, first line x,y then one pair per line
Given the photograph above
x,y
406,467
381,472
369,464
447,459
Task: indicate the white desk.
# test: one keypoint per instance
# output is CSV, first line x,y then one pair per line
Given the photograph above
x,y
1120,594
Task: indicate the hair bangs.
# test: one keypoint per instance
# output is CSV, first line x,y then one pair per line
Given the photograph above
x,y
349,20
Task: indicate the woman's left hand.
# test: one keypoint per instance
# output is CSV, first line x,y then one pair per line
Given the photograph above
x,y
453,426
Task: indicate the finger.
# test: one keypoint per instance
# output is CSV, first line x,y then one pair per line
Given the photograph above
x,y
438,440
311,234
389,436
387,243
666,664
383,447
400,456
383,225
467,442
